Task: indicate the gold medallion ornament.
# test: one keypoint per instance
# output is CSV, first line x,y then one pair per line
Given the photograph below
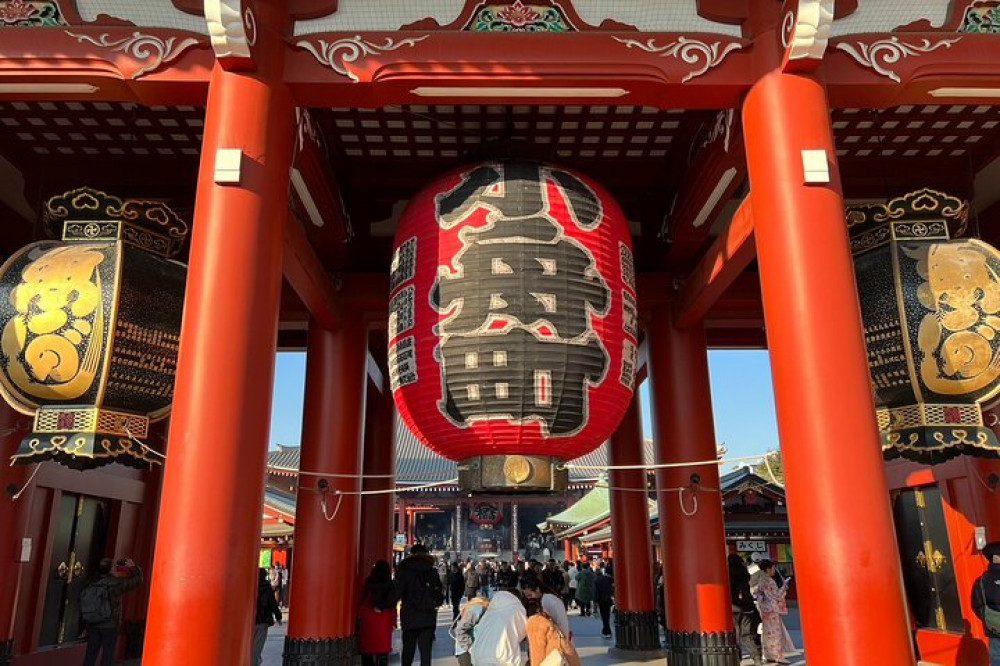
x,y
90,327
931,309
517,469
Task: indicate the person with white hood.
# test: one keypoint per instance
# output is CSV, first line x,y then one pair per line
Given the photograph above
x,y
500,631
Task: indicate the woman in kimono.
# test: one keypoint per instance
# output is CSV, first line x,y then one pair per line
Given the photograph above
x,y
771,603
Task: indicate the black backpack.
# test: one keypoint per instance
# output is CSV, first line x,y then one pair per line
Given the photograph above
x,y
426,594
95,603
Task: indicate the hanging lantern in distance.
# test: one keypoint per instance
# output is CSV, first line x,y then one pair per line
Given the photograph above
x,y
90,328
513,327
486,513
931,311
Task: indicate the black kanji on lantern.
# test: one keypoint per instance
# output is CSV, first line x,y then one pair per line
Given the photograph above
x,y
518,344
517,190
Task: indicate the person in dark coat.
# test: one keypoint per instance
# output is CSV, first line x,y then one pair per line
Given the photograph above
x,y
585,588
552,578
986,594
416,581
103,636
507,577
377,616
604,595
456,588
746,618
266,615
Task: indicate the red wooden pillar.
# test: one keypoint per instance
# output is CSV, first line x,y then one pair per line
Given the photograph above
x,y
13,516
636,625
821,384
213,478
322,602
135,605
695,574
380,459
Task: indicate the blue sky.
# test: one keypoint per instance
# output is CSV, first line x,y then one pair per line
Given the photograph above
x,y
742,400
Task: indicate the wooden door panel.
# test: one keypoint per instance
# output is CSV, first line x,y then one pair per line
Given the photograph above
x,y
55,581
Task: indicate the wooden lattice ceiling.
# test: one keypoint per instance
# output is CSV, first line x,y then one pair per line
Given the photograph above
x,y
919,131
101,128
567,132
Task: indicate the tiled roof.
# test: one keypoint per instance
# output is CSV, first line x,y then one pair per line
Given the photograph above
x,y
745,475
416,464
591,509
284,458
594,504
279,501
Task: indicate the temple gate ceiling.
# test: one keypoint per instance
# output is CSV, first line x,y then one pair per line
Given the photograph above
x,y
381,157
712,17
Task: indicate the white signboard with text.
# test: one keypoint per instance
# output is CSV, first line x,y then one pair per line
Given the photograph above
x,y
747,546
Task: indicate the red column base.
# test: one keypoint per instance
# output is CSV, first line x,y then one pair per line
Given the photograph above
x,y
689,648
319,651
637,630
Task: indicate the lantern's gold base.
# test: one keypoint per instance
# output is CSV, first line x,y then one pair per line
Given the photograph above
x,y
930,445
512,474
84,450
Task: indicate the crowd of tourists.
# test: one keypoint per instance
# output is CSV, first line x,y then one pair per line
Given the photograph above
x,y
277,578
496,607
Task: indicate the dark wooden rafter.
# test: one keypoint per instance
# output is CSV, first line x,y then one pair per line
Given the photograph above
x,y
378,368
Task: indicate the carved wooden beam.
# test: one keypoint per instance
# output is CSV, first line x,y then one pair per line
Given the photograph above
x,y
306,275
714,174
727,258
315,186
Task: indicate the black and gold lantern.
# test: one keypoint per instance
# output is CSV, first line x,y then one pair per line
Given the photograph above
x,y
931,311
90,329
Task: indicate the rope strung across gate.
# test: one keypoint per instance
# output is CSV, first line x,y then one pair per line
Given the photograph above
x,y
693,463
340,494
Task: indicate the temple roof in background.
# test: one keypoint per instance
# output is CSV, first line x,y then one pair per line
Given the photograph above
x,y
416,464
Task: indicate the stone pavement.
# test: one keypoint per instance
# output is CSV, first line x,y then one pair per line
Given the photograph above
x,y
586,636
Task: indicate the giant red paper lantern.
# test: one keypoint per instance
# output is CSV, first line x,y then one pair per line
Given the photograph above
x,y
513,324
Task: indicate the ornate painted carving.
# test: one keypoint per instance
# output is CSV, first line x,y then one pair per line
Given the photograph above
x,y
723,127
805,32
338,54
878,54
519,17
232,29
981,17
151,50
583,15
690,51
22,14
